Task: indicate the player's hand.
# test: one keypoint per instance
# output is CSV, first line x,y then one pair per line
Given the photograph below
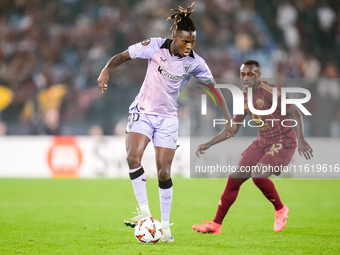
x,y
305,149
103,79
201,148
229,130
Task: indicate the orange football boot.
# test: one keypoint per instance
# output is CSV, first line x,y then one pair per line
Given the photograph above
x,y
281,218
210,227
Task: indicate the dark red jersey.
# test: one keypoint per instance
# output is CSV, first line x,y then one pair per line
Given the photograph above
x,y
270,127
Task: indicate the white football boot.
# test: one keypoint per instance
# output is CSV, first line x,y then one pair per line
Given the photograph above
x,y
131,222
167,237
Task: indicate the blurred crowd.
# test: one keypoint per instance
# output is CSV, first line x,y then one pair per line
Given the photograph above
x,y
51,53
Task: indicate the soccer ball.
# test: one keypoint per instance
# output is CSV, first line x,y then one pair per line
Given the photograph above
x,y
148,230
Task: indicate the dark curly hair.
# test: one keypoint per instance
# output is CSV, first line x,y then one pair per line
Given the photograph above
x,y
182,19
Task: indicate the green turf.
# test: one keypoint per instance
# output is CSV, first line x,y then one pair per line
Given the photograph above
x,y
70,216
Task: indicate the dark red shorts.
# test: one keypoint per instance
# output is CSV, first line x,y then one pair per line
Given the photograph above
x,y
273,153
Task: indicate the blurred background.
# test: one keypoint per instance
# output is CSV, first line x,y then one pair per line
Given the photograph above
x,y
51,53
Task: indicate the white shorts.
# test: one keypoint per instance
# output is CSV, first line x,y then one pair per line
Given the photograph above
x,y
162,131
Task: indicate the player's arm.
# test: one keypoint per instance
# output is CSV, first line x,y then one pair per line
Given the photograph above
x,y
303,147
203,73
226,114
114,62
222,136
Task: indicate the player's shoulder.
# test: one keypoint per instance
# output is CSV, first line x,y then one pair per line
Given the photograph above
x,y
267,88
197,60
153,41
196,57
265,84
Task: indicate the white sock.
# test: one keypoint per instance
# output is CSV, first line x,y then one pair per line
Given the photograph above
x,y
165,197
165,223
145,209
139,188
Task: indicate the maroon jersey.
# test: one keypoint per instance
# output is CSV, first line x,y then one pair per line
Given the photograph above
x,y
269,126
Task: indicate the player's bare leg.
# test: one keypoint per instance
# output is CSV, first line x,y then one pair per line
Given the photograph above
x,y
228,197
164,157
135,146
261,180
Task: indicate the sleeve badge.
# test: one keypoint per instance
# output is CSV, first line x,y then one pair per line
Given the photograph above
x,y
146,42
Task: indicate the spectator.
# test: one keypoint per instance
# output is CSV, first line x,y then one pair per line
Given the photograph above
x,y
54,42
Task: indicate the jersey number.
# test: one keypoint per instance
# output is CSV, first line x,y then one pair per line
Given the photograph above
x,y
275,148
133,117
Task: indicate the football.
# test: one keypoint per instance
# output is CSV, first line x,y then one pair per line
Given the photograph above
x,y
148,230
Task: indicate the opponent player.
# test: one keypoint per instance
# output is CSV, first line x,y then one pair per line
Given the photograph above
x,y
274,146
153,113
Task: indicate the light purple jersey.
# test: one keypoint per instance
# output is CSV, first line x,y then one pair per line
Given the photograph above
x,y
166,76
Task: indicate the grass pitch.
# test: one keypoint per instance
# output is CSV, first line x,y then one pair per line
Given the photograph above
x,y
72,216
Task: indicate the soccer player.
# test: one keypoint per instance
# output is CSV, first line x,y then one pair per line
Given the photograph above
x,y
153,113
274,146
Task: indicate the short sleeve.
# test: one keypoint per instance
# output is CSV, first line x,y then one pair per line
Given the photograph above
x,y
279,99
145,49
269,98
203,73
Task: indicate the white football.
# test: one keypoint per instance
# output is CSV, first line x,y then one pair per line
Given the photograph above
x,y
148,230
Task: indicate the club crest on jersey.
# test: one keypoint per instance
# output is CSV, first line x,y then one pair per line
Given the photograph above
x,y
260,102
186,67
146,42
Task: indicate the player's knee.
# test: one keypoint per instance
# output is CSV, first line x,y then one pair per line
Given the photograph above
x,y
240,174
164,174
133,161
261,171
